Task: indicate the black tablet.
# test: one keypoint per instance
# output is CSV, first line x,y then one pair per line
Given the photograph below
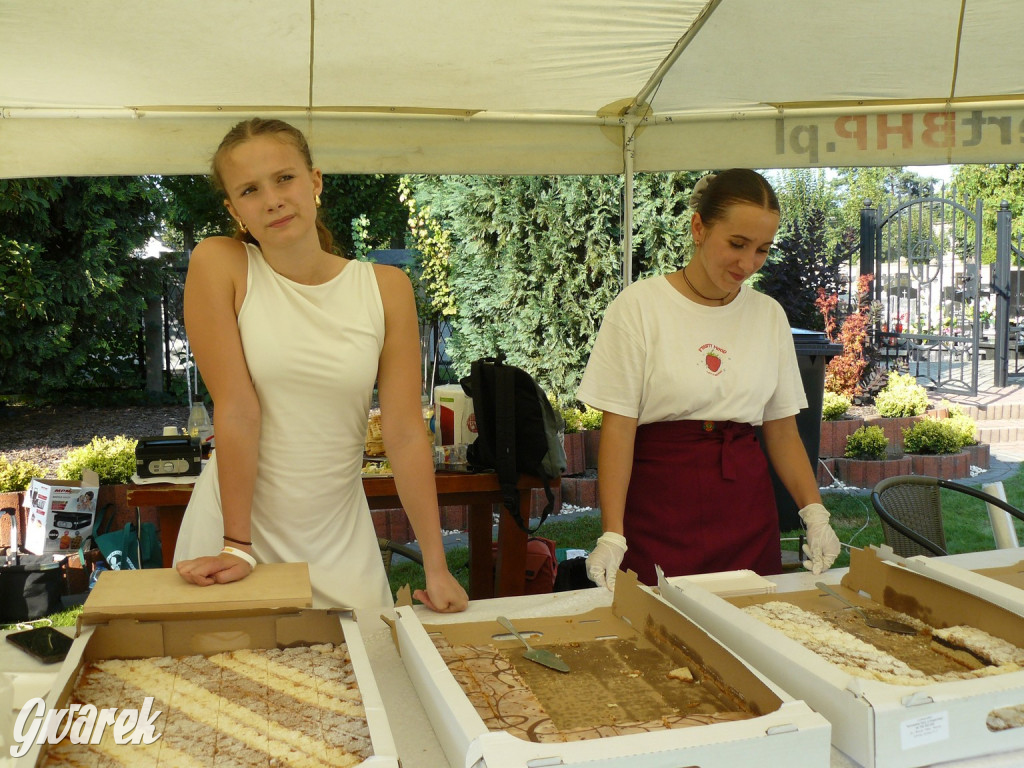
x,y
44,643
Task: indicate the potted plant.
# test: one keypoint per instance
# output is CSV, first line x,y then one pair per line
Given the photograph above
x,y
866,460
836,426
901,403
936,449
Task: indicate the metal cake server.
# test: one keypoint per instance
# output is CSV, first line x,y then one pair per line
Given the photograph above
x,y
889,625
539,655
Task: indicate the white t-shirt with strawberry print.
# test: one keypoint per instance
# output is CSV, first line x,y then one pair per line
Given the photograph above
x,y
661,357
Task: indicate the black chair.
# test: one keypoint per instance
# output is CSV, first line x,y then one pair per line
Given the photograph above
x,y
910,509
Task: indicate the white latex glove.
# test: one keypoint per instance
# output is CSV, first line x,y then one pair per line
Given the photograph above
x,y
603,563
822,546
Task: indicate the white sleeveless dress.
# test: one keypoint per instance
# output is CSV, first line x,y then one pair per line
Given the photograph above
x,y
312,352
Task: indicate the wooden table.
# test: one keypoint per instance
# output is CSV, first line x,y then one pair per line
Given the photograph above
x,y
479,492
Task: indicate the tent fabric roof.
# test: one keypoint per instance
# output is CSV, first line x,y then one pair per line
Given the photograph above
x,y
531,86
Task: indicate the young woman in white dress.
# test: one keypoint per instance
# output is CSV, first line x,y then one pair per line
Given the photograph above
x,y
290,339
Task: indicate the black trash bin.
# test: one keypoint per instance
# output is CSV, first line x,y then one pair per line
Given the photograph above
x,y
813,351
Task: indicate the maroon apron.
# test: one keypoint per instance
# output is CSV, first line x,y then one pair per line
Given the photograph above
x,y
700,500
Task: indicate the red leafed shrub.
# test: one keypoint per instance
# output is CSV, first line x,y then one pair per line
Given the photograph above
x,y
844,373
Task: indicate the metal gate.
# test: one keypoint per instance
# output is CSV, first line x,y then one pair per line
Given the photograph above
x,y
1008,289
925,255
178,358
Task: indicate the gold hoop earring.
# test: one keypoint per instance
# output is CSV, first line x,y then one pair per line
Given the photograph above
x,y
317,201
241,226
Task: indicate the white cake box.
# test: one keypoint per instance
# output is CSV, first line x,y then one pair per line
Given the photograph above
x,y
880,725
154,612
786,729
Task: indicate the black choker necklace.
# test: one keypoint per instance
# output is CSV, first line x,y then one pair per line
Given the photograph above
x,y
706,298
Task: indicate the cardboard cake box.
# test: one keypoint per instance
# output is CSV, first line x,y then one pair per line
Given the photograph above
x,y
59,514
154,612
779,728
880,725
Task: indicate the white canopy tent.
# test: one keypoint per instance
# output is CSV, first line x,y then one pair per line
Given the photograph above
x,y
532,86
97,87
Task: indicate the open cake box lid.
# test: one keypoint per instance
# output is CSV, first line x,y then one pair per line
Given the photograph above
x,y
161,593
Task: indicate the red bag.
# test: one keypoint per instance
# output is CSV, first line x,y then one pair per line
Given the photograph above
x,y
541,565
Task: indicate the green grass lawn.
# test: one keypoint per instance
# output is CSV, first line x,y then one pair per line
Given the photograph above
x,y
965,520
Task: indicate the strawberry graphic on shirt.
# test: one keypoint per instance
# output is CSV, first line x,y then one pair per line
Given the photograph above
x,y
714,358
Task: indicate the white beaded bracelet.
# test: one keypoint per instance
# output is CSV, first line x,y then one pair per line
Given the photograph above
x,y
241,553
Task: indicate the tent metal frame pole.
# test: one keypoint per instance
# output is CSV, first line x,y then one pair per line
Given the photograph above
x,y
628,151
677,50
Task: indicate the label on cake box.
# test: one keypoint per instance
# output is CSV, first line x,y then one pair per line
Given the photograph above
x,y
924,730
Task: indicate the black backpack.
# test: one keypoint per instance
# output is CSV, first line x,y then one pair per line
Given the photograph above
x,y
517,431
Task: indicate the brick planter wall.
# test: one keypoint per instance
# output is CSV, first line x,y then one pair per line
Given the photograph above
x,y
591,444
834,434
579,491
866,473
575,457
949,466
980,455
826,471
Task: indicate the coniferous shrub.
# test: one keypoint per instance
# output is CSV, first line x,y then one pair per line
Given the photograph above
x,y
573,420
534,261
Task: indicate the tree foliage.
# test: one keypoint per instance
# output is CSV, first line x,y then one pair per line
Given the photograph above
x,y
992,184
72,293
433,245
194,210
812,247
881,186
364,212
535,261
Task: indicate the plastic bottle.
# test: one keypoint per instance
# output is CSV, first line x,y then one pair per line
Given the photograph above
x,y
200,426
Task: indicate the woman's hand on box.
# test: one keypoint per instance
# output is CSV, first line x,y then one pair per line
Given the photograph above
x,y
220,569
444,594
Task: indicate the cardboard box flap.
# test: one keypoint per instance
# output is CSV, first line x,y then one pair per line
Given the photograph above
x,y
936,603
89,480
1000,586
162,593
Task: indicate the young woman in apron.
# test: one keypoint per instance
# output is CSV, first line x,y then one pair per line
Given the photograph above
x,y
684,367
